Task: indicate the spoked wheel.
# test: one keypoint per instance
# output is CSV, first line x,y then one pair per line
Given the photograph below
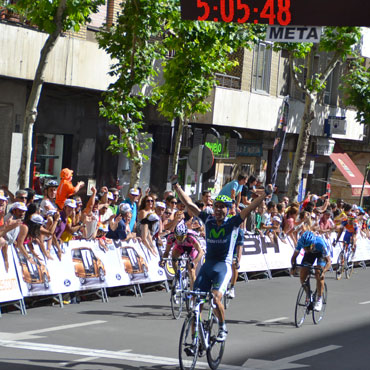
x,y
340,265
215,350
187,299
176,299
349,264
227,298
301,307
318,315
188,346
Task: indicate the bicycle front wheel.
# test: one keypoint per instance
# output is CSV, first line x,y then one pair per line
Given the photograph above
x,y
189,345
216,349
340,263
301,307
176,299
318,315
349,264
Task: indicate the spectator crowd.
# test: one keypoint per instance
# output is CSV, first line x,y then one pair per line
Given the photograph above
x,y
60,215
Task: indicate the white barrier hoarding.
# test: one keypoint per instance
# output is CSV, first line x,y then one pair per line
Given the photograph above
x,y
9,287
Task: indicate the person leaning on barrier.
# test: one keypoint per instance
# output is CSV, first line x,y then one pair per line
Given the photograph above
x,y
147,230
117,226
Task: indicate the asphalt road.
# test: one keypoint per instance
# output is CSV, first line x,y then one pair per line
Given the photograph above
x,y
139,333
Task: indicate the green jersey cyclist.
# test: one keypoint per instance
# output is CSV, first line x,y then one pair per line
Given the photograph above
x,y
221,236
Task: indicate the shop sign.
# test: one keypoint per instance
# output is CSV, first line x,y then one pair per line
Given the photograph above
x,y
219,146
249,148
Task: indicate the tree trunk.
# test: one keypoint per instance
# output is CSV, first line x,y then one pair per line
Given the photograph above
x,y
137,165
302,146
34,98
176,154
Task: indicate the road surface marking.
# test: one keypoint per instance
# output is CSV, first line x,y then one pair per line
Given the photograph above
x,y
275,320
367,302
26,335
86,359
287,362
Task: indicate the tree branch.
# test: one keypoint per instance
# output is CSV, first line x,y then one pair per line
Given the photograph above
x,y
295,77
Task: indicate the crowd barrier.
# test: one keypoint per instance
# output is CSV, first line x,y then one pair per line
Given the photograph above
x,y
86,265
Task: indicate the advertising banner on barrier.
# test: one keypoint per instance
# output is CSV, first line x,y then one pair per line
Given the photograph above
x,y
9,287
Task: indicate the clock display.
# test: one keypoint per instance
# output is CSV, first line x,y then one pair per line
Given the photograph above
x,y
280,12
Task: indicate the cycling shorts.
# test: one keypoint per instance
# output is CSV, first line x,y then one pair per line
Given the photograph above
x,y
215,275
181,249
310,258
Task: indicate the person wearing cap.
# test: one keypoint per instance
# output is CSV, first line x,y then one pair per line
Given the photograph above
x,y
52,220
71,227
30,233
132,198
100,236
159,209
117,225
8,230
114,205
65,188
221,236
105,212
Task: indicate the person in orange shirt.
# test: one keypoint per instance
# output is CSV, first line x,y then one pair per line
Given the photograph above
x,y
65,188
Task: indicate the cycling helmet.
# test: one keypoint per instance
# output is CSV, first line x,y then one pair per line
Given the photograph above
x,y
307,239
224,199
51,184
351,216
181,229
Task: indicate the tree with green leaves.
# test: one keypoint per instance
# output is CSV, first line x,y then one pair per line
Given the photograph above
x,y
133,43
52,17
356,87
338,42
200,50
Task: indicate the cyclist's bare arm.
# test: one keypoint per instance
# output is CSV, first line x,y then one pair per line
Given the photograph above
x,y
185,199
327,266
199,249
256,202
293,261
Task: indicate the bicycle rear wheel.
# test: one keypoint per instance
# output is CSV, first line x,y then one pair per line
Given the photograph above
x,y
301,307
318,315
188,346
349,263
216,349
340,264
176,299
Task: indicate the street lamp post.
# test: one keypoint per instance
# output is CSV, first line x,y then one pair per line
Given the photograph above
x,y
363,184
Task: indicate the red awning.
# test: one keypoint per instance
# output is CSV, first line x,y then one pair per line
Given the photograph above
x,y
352,174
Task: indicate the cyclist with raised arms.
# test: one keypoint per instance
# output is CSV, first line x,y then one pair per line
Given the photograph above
x,y
315,249
221,236
350,226
180,241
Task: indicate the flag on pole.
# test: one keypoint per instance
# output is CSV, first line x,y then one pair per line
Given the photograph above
x,y
279,140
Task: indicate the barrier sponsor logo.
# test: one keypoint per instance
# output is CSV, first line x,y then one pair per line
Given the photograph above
x,y
258,245
213,234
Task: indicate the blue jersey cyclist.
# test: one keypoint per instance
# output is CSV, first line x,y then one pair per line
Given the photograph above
x,y
221,237
315,249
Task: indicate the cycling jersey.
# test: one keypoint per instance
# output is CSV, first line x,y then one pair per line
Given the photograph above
x,y
350,230
220,240
320,247
185,246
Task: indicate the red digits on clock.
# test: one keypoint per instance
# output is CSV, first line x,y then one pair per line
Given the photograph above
x,y
268,11
247,11
227,18
284,8
203,4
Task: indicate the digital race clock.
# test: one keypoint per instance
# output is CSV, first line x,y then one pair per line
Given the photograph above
x,y
280,12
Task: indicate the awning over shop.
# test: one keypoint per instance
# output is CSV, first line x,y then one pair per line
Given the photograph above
x,y
352,174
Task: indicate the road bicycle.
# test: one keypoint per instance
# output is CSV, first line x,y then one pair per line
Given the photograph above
x,y
198,336
180,283
345,261
306,300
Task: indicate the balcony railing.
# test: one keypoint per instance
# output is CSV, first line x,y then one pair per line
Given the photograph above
x,y
228,81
